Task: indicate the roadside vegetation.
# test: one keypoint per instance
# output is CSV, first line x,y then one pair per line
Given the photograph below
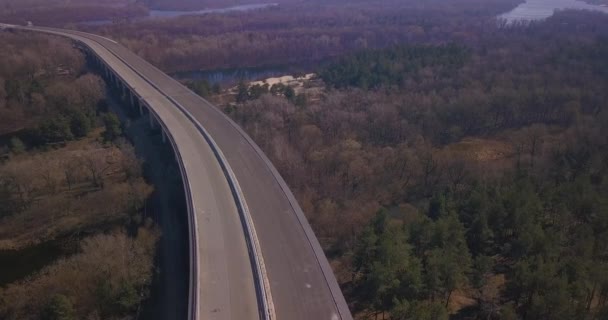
x,y
452,166
463,181
66,171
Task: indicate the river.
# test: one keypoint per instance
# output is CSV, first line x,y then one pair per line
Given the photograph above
x,y
154,14
245,7
230,77
533,10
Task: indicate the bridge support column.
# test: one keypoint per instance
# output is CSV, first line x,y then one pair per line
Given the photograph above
x,y
132,98
164,136
141,108
152,120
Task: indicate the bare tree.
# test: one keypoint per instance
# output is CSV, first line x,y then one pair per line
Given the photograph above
x,y
20,177
96,164
48,168
535,135
130,164
71,167
456,171
91,89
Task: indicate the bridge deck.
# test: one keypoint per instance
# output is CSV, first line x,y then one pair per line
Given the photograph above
x,y
301,281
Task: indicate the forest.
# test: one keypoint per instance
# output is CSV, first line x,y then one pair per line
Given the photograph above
x,y
461,181
300,33
452,166
74,240
62,13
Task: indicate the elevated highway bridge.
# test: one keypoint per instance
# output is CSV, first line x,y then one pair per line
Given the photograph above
x,y
253,255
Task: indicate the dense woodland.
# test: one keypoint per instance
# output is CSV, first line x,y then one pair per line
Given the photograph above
x,y
465,179
65,13
452,166
67,173
202,4
302,32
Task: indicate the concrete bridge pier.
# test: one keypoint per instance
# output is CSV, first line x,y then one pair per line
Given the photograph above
x,y
93,59
109,76
154,123
126,94
132,101
115,84
152,120
132,98
110,79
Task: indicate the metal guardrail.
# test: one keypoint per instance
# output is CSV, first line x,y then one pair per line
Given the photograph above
x,y
193,223
262,283
328,274
339,301
193,312
193,234
266,309
265,304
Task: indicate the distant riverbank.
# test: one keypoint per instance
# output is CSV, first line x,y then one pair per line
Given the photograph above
x,y
155,14
231,76
533,10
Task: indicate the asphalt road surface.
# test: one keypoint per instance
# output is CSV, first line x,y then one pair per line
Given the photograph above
x,y
302,284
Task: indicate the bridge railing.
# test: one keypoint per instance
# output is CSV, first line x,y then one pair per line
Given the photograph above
x,y
262,284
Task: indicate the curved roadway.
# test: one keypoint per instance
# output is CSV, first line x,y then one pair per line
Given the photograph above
x,y
299,278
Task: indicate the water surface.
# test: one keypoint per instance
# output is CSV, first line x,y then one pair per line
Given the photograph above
x,y
230,77
533,10
173,14
246,7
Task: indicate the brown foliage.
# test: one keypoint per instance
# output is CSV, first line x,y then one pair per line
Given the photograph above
x,y
38,75
66,190
69,188
107,259
354,150
60,13
301,32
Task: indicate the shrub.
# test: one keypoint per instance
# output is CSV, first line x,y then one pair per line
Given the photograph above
x,y
113,128
59,308
80,124
17,145
52,131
